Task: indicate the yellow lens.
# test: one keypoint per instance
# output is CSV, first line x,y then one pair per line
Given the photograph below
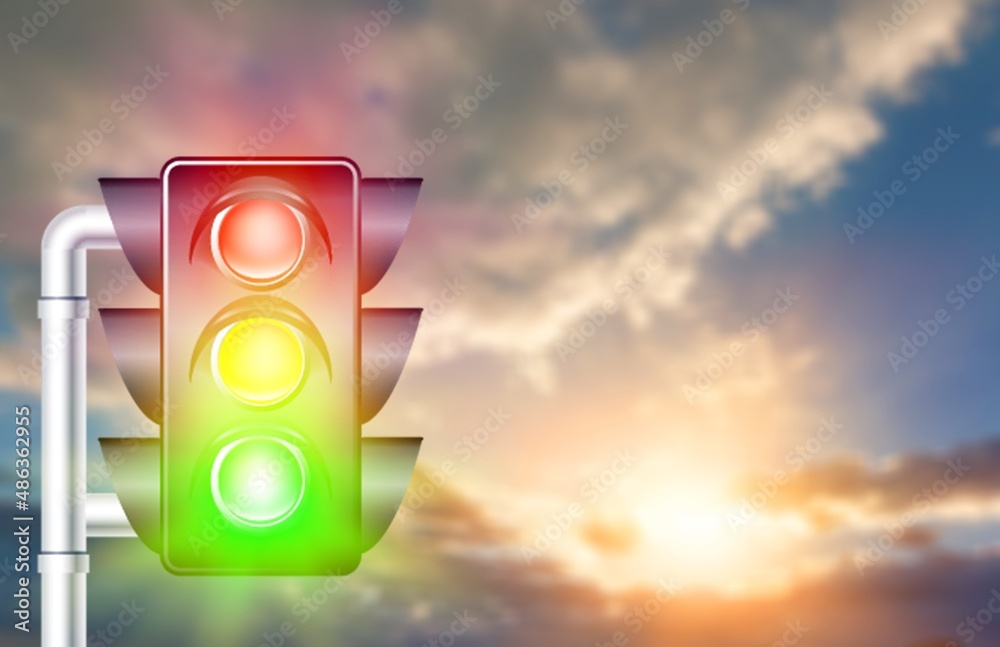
x,y
260,361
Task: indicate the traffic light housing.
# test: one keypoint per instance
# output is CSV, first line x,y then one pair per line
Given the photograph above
x,y
259,344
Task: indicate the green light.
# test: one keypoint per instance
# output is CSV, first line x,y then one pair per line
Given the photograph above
x,y
258,481
260,361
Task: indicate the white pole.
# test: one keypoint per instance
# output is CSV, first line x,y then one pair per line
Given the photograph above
x,y
64,309
106,517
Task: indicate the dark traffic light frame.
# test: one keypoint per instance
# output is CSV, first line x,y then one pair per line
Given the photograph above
x,y
252,363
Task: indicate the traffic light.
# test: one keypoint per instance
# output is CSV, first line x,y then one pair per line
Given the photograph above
x,y
253,363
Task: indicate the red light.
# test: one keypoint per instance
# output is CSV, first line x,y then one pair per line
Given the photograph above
x,y
260,241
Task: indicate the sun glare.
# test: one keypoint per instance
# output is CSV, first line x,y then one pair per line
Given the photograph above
x,y
686,532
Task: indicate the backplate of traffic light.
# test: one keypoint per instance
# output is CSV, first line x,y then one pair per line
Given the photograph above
x,y
252,362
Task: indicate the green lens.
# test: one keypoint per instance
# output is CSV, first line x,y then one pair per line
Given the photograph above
x,y
258,481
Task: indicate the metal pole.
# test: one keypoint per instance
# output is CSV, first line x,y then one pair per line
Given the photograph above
x,y
106,517
64,309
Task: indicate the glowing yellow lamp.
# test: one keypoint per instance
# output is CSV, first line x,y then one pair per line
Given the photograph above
x,y
260,361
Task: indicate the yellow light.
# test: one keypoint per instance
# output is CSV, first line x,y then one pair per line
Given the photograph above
x,y
260,361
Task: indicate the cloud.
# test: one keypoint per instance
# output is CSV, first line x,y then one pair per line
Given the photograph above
x,y
412,584
658,184
636,225
836,606
612,535
850,488
654,185
819,75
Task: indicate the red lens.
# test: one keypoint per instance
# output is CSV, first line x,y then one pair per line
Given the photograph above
x,y
260,241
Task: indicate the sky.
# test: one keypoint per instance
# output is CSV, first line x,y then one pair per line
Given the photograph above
x,y
720,272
